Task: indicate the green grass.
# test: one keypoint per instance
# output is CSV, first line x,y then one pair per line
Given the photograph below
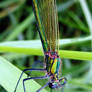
x,y
10,75
20,46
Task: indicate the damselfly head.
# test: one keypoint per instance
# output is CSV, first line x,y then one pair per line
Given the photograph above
x,y
58,84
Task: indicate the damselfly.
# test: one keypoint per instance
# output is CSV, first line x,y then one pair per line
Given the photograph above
x,y
47,20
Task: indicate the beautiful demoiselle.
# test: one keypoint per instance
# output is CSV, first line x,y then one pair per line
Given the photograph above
x,y
47,20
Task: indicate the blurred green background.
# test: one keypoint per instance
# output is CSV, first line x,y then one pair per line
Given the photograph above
x,y
17,23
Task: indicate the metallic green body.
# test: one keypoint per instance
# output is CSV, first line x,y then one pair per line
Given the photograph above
x,y
53,62
46,15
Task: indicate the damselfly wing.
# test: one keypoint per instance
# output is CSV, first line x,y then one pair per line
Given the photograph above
x,y
47,19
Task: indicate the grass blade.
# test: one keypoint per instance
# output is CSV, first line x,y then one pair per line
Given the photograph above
x,y
9,76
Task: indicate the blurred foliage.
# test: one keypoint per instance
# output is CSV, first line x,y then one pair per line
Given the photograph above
x,y
17,23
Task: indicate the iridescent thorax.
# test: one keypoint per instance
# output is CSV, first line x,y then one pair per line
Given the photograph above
x,y
52,62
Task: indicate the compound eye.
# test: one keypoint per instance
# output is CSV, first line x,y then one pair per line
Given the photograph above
x,y
63,81
53,85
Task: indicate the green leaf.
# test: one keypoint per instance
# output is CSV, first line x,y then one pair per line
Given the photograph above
x,y
37,43
34,51
16,4
9,76
71,41
5,4
21,27
66,5
80,83
87,14
34,48
77,55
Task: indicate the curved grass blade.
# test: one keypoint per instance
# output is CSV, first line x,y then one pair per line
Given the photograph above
x,y
9,76
77,55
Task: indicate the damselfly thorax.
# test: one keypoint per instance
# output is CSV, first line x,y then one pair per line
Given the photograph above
x,y
53,61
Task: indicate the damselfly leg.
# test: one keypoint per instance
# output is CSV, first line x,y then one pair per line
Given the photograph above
x,y
23,73
42,77
43,87
62,89
63,82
